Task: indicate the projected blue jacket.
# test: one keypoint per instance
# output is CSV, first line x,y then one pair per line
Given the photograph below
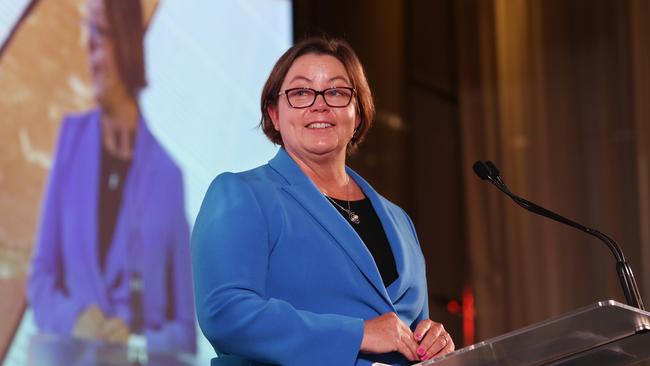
x,y
151,237
281,278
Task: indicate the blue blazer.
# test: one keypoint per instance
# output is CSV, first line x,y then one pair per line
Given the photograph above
x,y
151,237
282,278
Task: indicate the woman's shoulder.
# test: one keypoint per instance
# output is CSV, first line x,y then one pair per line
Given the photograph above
x,y
75,128
242,191
77,121
80,120
256,179
395,211
392,207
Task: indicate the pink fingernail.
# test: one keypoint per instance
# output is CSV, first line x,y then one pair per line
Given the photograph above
x,y
417,336
420,351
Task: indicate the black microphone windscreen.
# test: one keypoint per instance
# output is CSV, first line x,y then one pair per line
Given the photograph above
x,y
493,170
481,170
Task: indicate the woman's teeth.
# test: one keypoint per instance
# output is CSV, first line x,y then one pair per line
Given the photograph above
x,y
319,125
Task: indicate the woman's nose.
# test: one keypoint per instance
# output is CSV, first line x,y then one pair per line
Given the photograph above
x,y
319,102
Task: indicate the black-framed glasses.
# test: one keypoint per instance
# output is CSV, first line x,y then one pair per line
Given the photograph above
x,y
305,97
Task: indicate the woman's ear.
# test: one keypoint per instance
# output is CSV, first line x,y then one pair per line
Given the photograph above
x,y
272,110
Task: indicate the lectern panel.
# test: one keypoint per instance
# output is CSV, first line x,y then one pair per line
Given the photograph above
x,y
607,331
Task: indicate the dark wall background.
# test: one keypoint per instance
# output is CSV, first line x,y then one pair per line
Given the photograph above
x,y
556,92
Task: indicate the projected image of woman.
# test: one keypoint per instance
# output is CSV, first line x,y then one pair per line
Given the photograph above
x,y
300,261
112,254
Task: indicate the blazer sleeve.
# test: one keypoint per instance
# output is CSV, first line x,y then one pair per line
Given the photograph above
x,y
179,332
424,314
230,254
54,310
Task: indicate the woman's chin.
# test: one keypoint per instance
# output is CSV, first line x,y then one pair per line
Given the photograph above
x,y
323,148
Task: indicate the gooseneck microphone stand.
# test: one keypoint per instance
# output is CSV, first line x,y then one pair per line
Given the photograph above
x,y
486,170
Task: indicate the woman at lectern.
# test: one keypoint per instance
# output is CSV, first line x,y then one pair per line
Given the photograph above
x,y
112,258
300,261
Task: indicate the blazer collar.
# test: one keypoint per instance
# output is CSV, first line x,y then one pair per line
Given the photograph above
x,y
303,190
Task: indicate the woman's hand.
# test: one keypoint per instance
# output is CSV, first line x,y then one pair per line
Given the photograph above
x,y
433,340
387,333
115,330
89,323
93,324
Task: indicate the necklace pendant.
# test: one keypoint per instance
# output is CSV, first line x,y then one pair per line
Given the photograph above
x,y
354,217
113,181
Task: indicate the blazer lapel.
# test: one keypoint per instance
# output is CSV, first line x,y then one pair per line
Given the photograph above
x,y
399,248
88,202
303,190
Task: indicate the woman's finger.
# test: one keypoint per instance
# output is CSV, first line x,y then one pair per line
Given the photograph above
x,y
449,347
407,347
422,329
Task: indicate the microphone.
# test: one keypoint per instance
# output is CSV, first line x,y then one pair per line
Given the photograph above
x,y
482,170
487,170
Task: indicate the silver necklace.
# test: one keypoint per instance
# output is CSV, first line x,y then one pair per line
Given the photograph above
x,y
351,214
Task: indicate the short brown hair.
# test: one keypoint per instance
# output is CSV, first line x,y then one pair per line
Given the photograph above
x,y
342,51
125,18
